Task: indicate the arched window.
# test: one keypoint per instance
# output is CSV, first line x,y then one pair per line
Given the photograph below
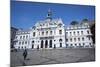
x,y
25,42
71,39
78,32
42,33
66,40
74,32
60,40
20,37
75,39
22,42
33,33
60,31
82,38
50,32
46,32
83,44
70,33
22,47
23,37
33,41
87,31
78,39
81,32
19,43
75,44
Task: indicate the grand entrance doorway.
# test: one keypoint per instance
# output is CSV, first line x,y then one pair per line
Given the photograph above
x,y
42,44
50,44
46,44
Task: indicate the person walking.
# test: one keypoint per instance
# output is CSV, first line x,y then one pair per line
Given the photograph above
x,y
25,54
38,47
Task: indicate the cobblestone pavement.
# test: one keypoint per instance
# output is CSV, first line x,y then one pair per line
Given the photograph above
x,y
52,56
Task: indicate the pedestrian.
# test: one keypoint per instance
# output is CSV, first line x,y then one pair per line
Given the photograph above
x,y
54,46
38,47
25,54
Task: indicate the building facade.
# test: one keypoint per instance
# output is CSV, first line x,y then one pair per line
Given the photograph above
x,y
78,36
52,33
13,34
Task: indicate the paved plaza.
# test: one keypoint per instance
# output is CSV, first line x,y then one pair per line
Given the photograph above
x,y
52,56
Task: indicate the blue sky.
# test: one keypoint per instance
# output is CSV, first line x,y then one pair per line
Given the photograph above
x,y
26,14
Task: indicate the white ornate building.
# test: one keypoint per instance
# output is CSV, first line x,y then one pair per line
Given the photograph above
x,y
52,33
